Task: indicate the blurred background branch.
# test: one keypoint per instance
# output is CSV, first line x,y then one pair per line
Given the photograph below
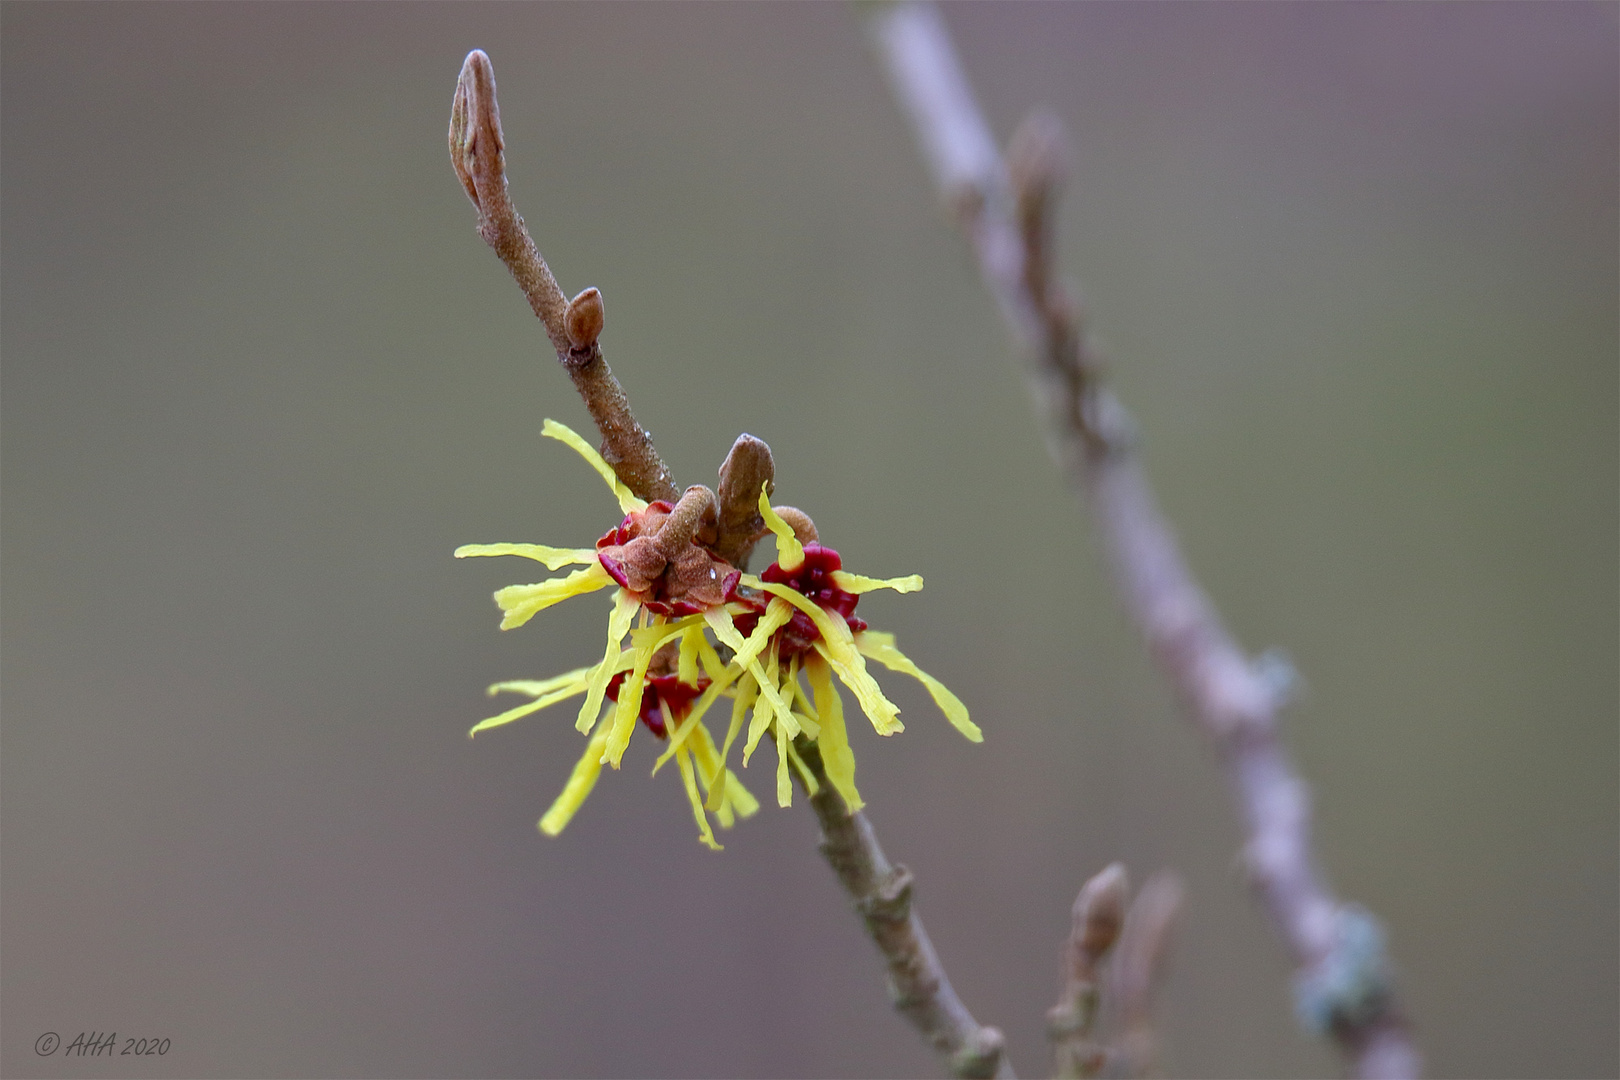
x,y
1007,212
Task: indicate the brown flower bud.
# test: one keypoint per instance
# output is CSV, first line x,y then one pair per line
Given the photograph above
x,y
583,319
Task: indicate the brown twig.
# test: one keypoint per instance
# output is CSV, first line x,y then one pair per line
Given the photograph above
x,y
1140,942
1342,985
1099,912
477,150
881,893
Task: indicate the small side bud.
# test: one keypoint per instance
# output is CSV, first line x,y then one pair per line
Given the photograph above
x,y
583,319
804,530
1038,155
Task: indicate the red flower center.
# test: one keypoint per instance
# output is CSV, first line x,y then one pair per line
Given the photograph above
x,y
665,689
812,579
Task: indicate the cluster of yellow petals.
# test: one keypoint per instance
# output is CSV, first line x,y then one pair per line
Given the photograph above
x,y
765,690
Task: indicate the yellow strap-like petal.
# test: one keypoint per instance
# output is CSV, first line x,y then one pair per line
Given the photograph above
x,y
555,558
779,705
565,434
723,783
806,777
803,703
710,775
719,620
706,834
624,610
516,714
784,784
739,797
547,692
686,661
537,687
522,602
649,641
789,552
776,616
793,694
837,646
765,708
678,734
857,583
836,755
579,785
747,691
710,659
808,725
880,647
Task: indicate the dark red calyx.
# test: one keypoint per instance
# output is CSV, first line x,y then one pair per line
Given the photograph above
x,y
813,579
636,523
666,689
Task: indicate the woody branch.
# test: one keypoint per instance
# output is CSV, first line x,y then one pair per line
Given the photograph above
x,y
1342,985
881,892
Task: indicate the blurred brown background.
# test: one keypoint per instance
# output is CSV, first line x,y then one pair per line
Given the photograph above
x,y
1357,269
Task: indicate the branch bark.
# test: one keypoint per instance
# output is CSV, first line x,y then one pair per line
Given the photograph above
x,y
881,893
1342,983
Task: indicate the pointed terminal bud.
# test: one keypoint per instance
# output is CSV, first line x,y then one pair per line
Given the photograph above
x,y
476,145
1099,912
583,319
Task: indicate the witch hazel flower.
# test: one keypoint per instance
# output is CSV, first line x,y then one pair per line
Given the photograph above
x,y
798,617
667,677
794,624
